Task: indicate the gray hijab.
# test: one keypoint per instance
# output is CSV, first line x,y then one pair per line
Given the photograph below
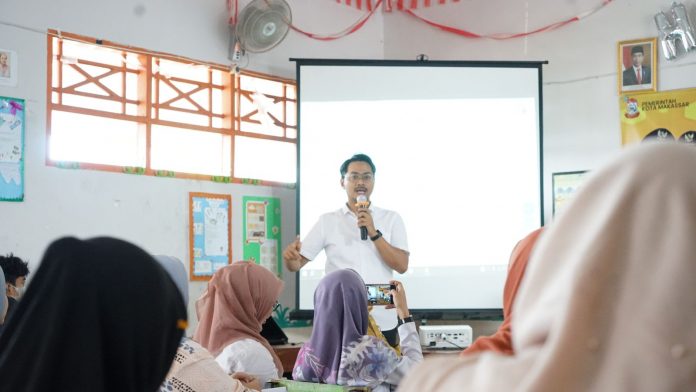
x,y
177,272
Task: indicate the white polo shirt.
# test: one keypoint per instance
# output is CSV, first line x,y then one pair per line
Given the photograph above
x,y
338,234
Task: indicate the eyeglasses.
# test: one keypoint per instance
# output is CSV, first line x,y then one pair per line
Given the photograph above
x,y
355,177
276,306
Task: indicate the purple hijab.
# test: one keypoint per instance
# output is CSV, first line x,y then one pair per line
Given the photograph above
x,y
338,351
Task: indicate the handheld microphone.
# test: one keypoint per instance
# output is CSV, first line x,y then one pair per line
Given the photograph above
x,y
362,203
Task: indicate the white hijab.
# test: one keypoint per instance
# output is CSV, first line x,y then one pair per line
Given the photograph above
x,y
609,299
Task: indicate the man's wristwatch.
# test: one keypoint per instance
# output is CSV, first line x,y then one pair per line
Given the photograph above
x,y
408,319
376,236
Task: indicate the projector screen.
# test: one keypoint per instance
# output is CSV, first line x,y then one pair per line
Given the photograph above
x,y
457,150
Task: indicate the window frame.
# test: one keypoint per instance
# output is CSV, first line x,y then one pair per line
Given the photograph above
x,y
148,109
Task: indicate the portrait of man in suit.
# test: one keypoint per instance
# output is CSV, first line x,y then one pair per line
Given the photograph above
x,y
637,74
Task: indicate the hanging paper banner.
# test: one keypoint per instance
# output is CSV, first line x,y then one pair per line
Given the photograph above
x,y
394,4
503,36
663,116
11,149
410,6
262,232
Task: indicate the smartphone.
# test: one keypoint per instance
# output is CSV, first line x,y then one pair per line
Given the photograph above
x,y
379,294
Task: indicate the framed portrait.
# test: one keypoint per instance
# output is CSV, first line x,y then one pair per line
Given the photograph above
x,y
637,69
8,67
565,185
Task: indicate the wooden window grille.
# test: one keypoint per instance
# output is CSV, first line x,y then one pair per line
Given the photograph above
x,y
118,108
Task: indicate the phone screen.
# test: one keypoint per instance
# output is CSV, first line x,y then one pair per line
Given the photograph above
x,y
379,294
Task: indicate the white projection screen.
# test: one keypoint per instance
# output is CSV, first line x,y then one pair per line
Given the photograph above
x,y
457,149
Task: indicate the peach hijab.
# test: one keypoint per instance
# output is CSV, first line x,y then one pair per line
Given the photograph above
x,y
239,299
608,301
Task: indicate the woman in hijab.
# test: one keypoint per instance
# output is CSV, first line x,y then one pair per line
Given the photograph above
x,y
100,315
501,340
608,301
194,369
339,351
231,312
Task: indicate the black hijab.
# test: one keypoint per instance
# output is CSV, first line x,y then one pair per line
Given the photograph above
x,y
100,315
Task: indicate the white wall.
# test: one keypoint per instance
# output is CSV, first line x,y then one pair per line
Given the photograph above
x,y
580,112
581,104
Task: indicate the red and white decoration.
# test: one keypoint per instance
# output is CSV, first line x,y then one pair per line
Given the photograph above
x,y
410,7
390,5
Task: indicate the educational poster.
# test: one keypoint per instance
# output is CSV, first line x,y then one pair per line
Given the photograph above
x,y
261,224
11,149
565,186
663,116
210,233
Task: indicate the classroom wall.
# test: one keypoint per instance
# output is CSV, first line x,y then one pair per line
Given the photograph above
x,y
580,97
581,103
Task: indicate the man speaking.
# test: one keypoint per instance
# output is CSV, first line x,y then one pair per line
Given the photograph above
x,y
359,236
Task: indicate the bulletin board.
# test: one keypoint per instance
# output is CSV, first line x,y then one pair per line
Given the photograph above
x,y
11,149
262,232
210,233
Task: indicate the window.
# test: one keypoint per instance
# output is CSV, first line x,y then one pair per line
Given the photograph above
x,y
124,109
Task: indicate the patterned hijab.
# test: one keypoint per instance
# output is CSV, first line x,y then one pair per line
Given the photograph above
x,y
193,368
608,301
239,299
338,351
100,315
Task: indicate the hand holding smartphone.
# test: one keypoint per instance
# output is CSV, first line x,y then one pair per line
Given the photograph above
x,y
380,294
399,299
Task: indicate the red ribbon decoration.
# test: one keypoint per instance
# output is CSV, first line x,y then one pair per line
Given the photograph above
x,y
501,36
232,4
465,33
389,4
349,30
233,15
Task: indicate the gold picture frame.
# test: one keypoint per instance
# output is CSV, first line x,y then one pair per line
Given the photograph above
x,y
637,65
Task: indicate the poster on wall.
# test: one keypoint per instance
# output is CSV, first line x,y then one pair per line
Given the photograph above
x,y
261,238
8,67
11,149
565,186
663,116
210,233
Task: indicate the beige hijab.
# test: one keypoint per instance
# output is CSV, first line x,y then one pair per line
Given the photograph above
x,y
239,298
608,302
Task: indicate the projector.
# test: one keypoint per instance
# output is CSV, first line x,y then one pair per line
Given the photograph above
x,y
445,336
